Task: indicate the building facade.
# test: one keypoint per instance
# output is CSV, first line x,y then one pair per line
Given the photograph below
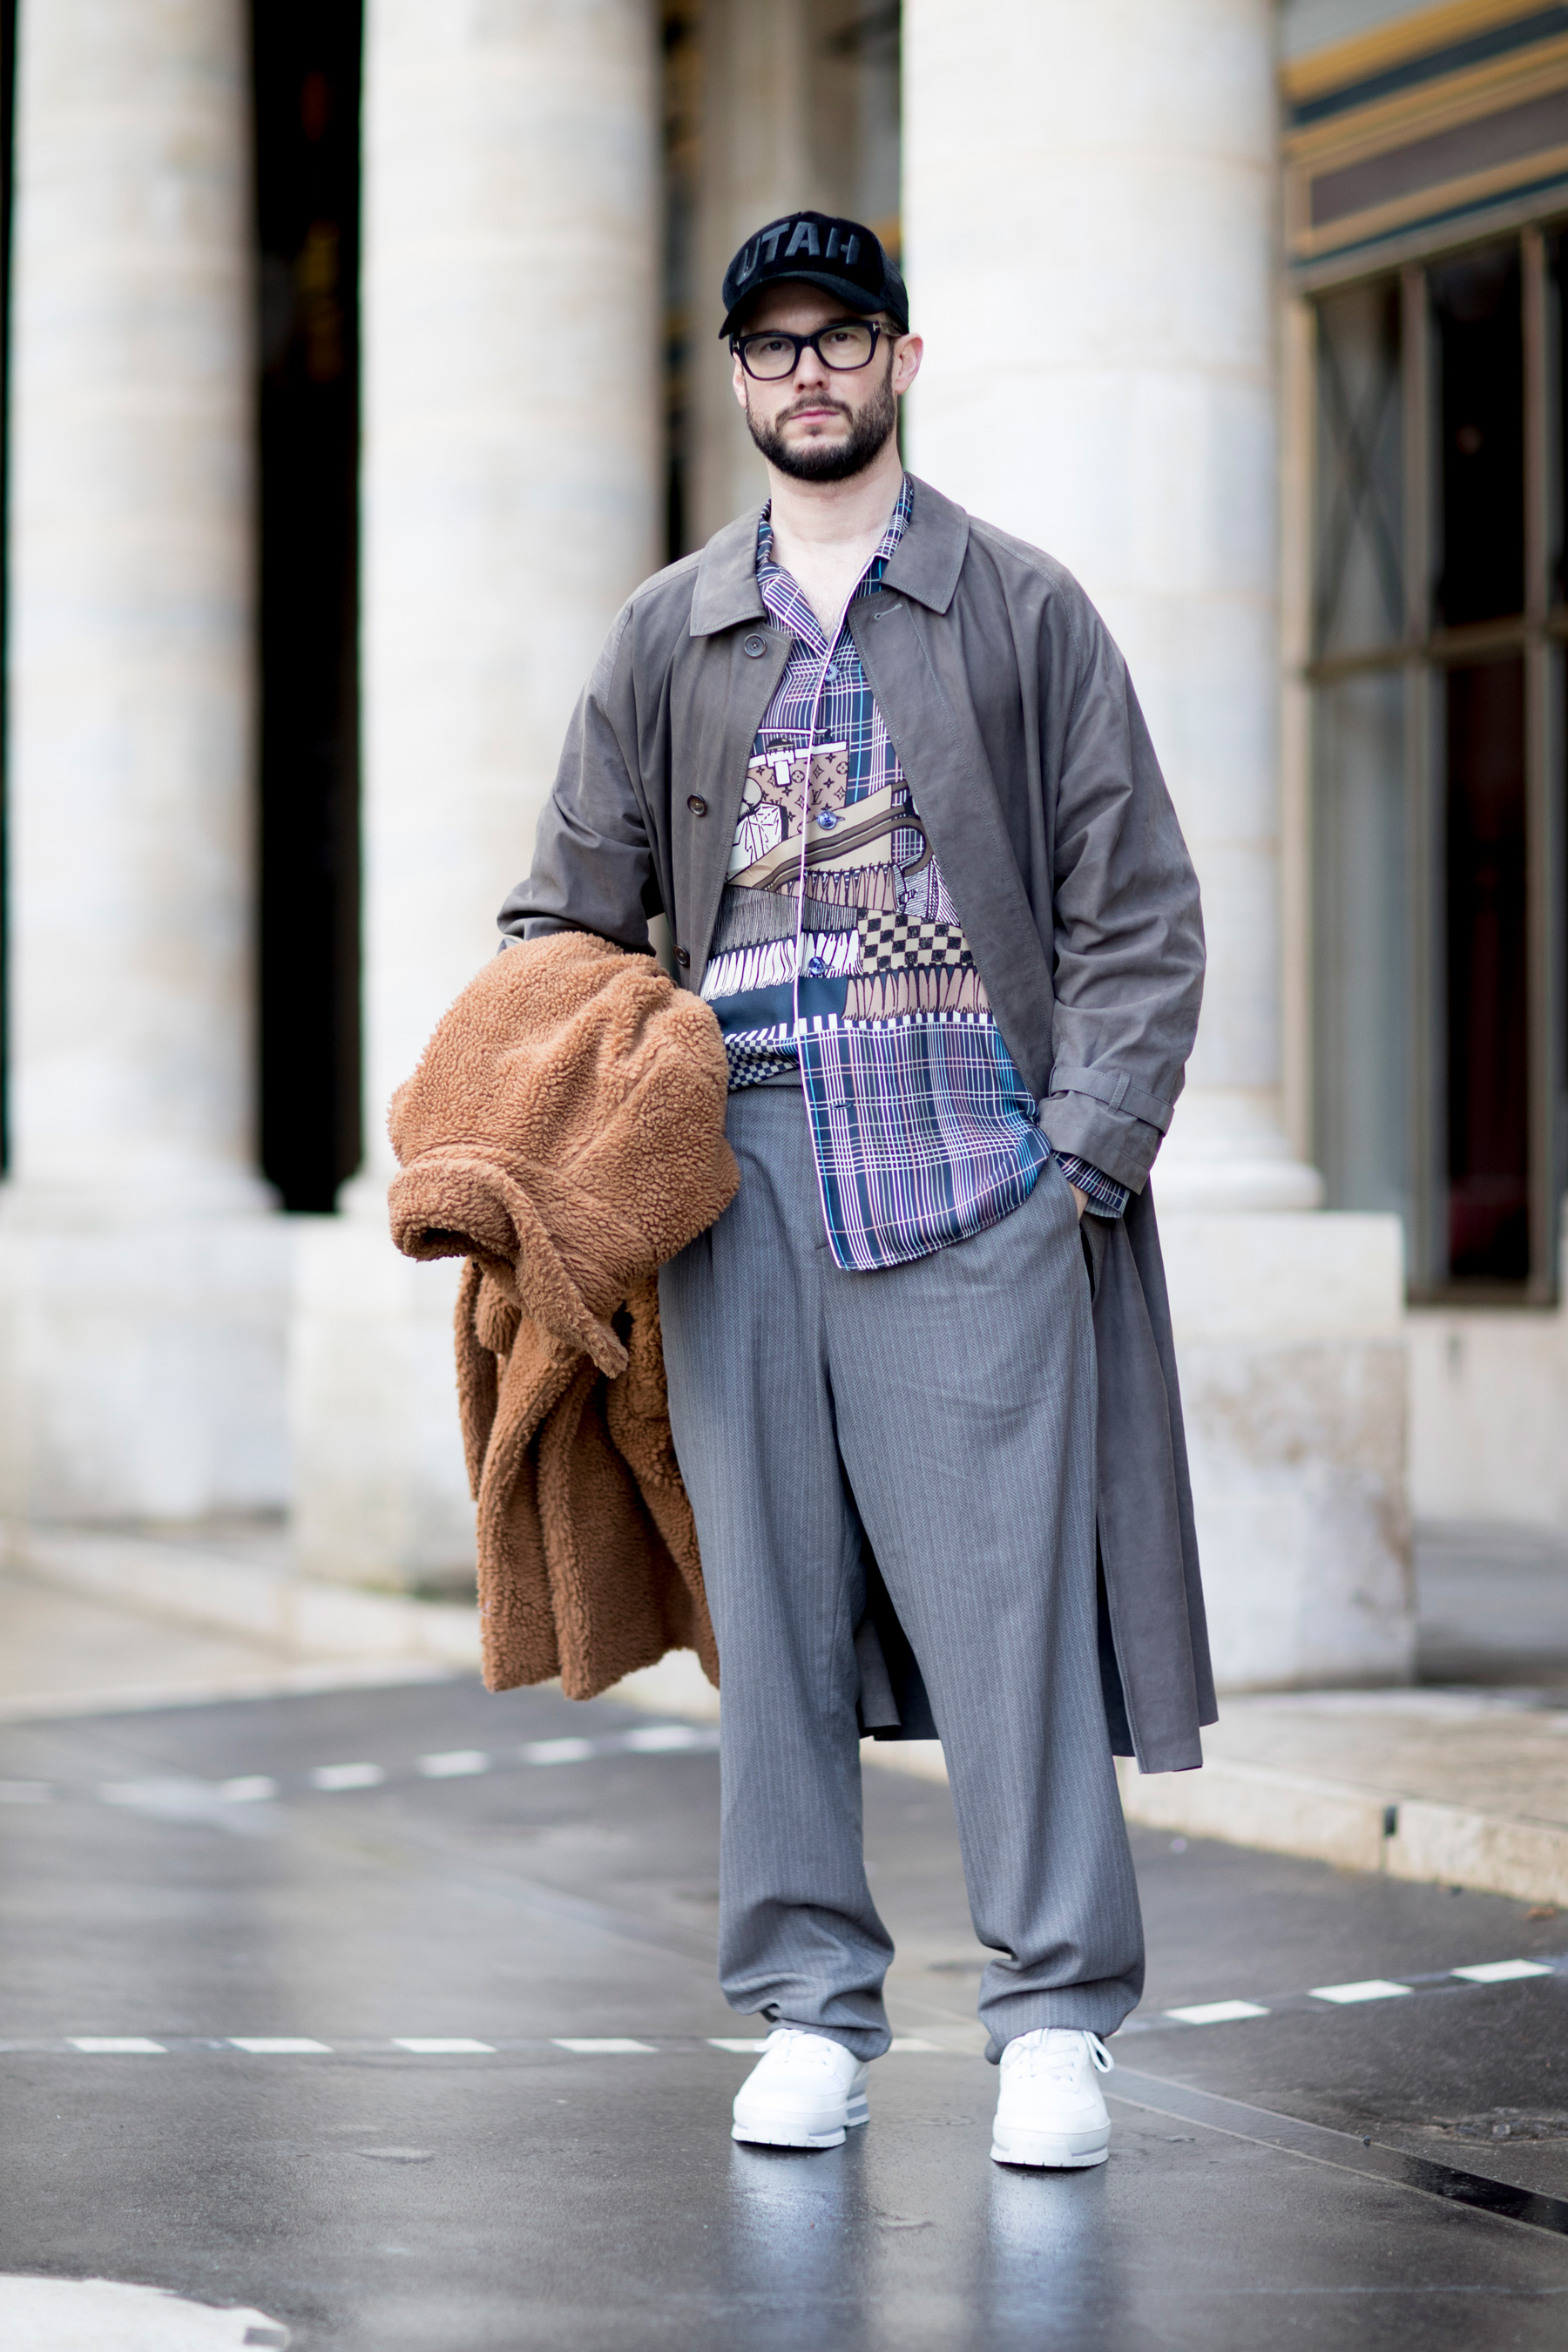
x,y
361,362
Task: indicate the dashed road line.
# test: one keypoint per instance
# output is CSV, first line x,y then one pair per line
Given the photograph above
x,y
602,2046
177,1795
452,2046
1352,1995
1216,2012
1195,2015
1369,1988
279,2045
334,1777
413,2045
1502,1971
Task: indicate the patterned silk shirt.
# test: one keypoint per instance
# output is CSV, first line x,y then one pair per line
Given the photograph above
x,y
865,993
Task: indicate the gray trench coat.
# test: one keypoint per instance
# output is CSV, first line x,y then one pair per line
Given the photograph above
x,y
1030,765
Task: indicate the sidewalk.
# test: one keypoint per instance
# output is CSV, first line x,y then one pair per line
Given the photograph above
x,y
1465,1784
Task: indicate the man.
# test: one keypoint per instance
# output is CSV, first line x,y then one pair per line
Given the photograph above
x,y
882,768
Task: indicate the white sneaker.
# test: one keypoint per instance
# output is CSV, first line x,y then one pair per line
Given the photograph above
x,y
803,2092
1049,2110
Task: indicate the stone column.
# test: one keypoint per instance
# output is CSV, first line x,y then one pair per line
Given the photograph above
x,y
1090,196
512,472
142,1275
756,162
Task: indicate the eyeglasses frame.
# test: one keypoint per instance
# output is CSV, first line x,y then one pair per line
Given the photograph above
x,y
812,344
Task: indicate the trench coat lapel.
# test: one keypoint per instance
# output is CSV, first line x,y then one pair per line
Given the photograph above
x,y
720,695
916,670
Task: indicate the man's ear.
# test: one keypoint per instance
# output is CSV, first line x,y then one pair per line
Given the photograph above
x,y
907,361
738,378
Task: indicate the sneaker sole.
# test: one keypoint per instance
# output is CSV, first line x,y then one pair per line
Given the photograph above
x,y
1051,2151
787,2133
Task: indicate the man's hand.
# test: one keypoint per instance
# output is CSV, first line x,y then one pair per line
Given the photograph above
x,y
1082,1198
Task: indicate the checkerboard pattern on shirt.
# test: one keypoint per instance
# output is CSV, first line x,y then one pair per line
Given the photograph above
x,y
902,943
922,1128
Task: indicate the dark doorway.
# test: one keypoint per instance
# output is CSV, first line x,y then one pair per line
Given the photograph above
x,y
307,85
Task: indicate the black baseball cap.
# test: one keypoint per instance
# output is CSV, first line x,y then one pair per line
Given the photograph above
x,y
842,257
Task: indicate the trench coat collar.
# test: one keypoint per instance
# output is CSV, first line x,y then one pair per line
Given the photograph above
x,y
925,564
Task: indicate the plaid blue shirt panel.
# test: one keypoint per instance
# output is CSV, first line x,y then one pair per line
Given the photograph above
x,y
923,1129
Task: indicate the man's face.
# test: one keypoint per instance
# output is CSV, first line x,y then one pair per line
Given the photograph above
x,y
822,424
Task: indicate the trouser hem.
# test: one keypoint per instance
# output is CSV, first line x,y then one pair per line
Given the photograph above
x,y
864,2043
1031,2012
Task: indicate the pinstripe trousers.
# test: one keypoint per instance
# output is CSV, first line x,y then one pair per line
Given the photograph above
x,y
944,1413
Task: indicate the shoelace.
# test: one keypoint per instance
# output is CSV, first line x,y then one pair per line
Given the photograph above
x,y
817,2047
1059,2058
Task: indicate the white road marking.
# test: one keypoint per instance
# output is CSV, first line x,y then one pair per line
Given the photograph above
x,y
251,1789
1371,1989
347,1776
278,2046
556,1752
610,2046
1216,2012
661,1738
429,2046
454,1764
1213,2012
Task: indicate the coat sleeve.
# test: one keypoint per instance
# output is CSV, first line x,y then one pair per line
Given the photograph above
x,y
1128,929
593,867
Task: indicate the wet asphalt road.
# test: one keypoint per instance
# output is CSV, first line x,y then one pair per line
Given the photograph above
x,y
1389,2171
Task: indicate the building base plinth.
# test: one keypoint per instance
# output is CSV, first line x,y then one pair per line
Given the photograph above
x,y
142,1368
1292,1359
380,1490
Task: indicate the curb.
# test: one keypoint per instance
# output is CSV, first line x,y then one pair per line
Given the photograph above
x,y
1353,1827
193,1587
1318,1818
1321,1820
186,1585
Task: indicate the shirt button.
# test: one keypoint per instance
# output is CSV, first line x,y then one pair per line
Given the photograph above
x,y
696,805
683,957
754,646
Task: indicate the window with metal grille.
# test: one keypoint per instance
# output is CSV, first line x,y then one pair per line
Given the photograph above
x,y
1438,619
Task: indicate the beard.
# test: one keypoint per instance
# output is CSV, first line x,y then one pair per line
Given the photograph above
x,y
870,430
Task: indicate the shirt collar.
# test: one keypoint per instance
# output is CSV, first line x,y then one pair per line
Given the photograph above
x,y
898,523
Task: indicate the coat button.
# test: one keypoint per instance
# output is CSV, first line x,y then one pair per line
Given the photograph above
x,y
683,957
754,646
696,805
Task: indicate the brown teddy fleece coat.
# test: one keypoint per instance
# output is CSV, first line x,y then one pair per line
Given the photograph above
x,y
564,1132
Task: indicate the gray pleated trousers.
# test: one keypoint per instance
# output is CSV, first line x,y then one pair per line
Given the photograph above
x,y
946,1408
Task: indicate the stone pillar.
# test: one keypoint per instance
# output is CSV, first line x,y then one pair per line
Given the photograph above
x,y
511,467
143,1275
756,162
1090,208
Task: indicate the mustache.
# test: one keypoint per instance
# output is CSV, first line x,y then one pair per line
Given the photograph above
x,y
813,400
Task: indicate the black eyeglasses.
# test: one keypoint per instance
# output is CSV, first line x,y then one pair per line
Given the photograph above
x,y
771,356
